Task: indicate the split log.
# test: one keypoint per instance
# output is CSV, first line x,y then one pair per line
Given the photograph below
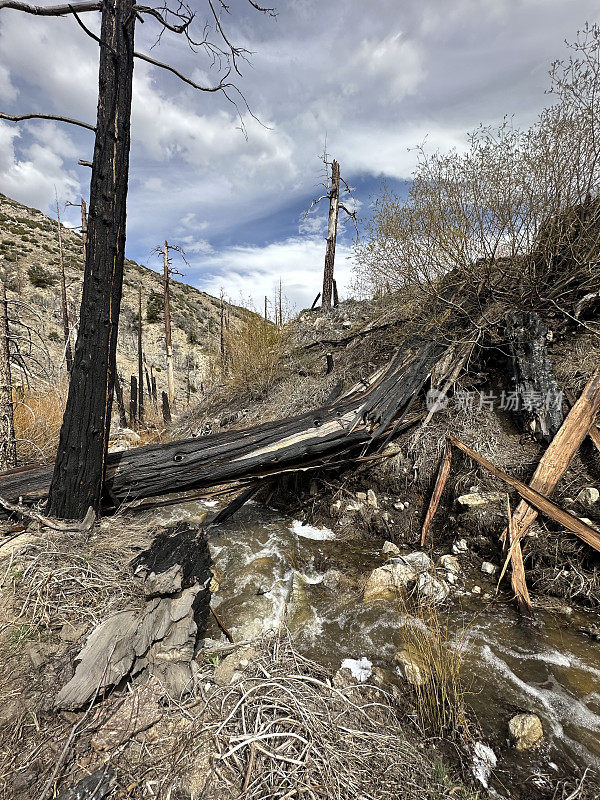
x,y
331,434
561,450
440,483
539,399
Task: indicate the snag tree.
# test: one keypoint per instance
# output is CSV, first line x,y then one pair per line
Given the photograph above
x,y
79,469
332,183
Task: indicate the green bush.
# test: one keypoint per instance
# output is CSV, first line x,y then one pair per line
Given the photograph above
x,y
155,306
39,277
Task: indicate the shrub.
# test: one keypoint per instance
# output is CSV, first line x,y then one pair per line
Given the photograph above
x,y
254,354
155,306
39,277
515,219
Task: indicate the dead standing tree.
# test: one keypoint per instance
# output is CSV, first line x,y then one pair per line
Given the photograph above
x,y
80,464
167,272
63,294
8,444
332,183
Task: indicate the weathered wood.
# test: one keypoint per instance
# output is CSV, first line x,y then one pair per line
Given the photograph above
x,y
166,410
120,402
168,340
540,407
133,395
63,295
334,204
140,380
561,450
586,533
440,483
356,422
517,576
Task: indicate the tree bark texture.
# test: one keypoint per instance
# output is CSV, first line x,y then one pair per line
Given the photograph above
x,y
328,436
334,204
539,398
140,360
80,465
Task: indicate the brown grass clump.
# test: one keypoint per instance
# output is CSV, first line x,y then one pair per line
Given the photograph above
x,y
440,693
38,417
255,354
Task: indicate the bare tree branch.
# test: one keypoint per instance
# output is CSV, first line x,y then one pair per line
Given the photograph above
x,y
163,21
219,87
52,11
55,117
90,33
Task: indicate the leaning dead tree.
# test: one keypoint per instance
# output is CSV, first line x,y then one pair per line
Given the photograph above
x,y
80,464
332,183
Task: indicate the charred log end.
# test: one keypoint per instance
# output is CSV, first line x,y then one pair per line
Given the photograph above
x,y
538,400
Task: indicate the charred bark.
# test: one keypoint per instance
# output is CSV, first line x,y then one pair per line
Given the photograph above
x,y
334,204
327,437
140,360
538,407
80,465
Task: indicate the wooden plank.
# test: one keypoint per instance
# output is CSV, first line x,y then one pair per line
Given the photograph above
x,y
440,483
574,524
517,578
561,450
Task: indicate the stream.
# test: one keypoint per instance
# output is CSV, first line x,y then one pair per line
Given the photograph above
x,y
266,564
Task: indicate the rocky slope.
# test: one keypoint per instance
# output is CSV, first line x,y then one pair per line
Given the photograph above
x,y
29,252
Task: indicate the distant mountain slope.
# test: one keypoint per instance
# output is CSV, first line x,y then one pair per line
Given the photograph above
x,y
29,253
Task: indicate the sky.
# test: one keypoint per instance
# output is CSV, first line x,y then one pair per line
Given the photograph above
x,y
371,80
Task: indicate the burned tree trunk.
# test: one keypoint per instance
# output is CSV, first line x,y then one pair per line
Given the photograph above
x,y
168,341
140,360
334,203
537,400
357,423
133,394
63,295
79,470
84,228
120,403
8,445
166,411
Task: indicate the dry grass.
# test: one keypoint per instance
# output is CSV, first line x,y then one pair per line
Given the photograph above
x,y
440,696
255,354
38,417
284,731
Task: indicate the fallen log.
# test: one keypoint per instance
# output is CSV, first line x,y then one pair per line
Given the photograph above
x,y
354,424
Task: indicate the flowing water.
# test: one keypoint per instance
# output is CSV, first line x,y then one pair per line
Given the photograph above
x,y
272,569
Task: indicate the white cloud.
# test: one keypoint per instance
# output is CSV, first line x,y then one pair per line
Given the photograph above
x,y
253,272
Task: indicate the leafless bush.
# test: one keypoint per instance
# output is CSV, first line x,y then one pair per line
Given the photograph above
x,y
514,218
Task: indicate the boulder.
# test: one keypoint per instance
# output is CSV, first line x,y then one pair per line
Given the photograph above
x,y
412,668
525,731
387,582
432,591
588,496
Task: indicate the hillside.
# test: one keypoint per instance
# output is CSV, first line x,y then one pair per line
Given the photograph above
x,y
29,249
